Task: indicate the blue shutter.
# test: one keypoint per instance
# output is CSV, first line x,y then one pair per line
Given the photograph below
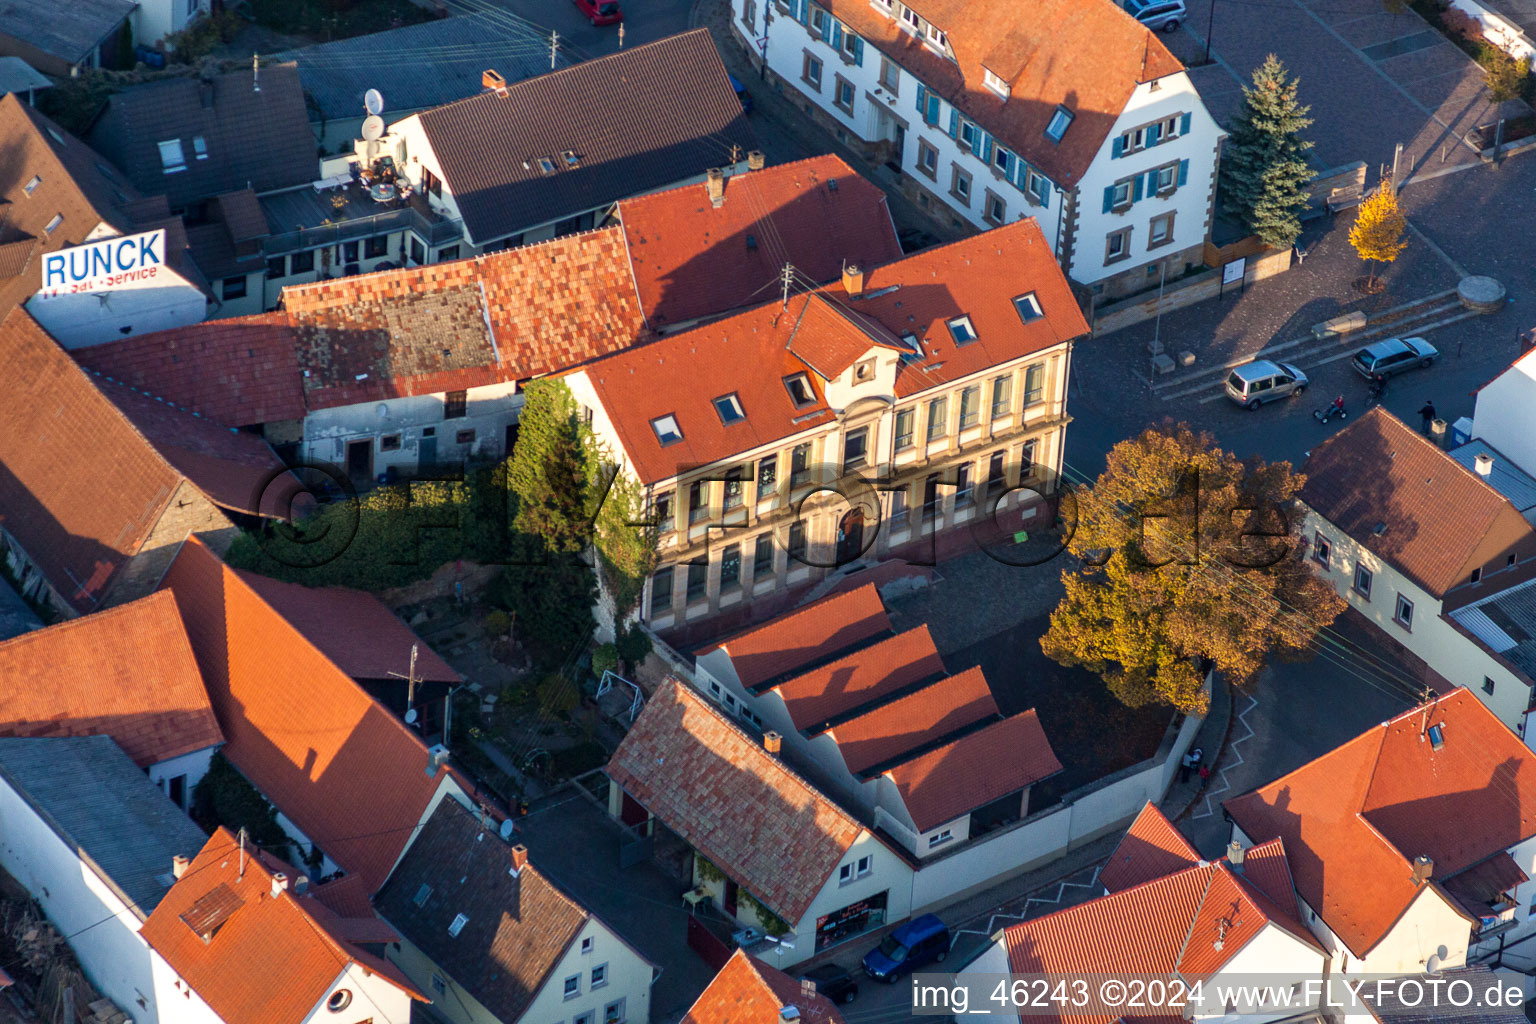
x,y
954,123
1136,188
922,99
1045,197
1154,134
803,12
1184,125
1183,171
1118,148
858,51
1007,163
986,149
1151,183
1109,198
935,105
837,36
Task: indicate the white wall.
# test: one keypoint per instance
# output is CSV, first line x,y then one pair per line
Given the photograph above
x,y
1280,957
193,765
155,19
1505,414
628,978
489,411
374,1000
177,1002
888,873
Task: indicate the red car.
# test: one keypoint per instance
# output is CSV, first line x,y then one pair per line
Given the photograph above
x,y
600,12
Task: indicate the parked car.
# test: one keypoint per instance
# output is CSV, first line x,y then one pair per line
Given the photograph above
x,y
741,94
600,12
1157,14
1393,356
916,944
833,982
1253,384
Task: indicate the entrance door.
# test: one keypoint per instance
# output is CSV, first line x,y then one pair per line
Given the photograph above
x,y
729,903
426,452
360,461
901,146
850,536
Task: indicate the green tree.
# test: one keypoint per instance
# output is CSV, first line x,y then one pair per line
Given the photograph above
x,y
1508,76
1264,172
550,596
1377,233
549,469
1189,557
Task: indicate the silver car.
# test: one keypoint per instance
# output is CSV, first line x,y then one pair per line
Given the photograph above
x,y
1157,14
1253,384
1393,356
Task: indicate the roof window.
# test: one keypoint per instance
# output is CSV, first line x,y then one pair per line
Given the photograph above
x,y
729,408
172,159
422,895
1028,307
961,330
1436,734
799,387
31,186
570,157
53,225
914,348
546,165
458,924
666,429
1060,122
200,147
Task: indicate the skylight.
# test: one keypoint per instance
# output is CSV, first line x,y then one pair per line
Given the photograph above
x,y
172,159
458,925
1436,736
53,225
31,186
914,348
799,387
1028,307
961,330
570,157
422,895
729,408
667,431
1060,121
200,147
546,165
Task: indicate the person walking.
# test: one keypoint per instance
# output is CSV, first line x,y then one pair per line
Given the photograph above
x,y
1205,776
1186,764
1427,415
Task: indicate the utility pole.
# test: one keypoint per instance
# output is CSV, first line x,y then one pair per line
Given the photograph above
x,y
410,680
621,35
789,277
554,48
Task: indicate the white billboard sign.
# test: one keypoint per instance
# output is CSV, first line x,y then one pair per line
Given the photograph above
x,y
131,261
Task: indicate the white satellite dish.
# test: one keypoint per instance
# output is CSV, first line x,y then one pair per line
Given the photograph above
x,y
506,829
373,128
1433,965
373,101
410,717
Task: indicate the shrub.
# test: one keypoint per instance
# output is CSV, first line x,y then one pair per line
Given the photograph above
x,y
605,659
224,797
497,624
557,694
634,645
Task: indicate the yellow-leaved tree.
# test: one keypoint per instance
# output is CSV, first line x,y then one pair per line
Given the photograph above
x,y
1377,234
1189,558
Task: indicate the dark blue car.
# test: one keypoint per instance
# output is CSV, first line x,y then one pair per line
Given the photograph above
x,y
742,95
914,945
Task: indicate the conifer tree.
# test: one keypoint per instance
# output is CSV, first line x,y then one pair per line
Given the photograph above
x,y
1264,172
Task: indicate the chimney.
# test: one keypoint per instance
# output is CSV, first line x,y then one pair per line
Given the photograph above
x,y
714,183
179,865
756,160
492,79
1423,867
1235,854
279,884
853,280
519,858
772,741
1483,463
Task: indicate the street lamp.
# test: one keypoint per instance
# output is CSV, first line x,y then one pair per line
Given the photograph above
x,y
1210,25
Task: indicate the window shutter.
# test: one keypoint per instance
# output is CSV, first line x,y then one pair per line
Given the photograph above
x,y
1117,150
1136,188
1184,125
922,98
1045,197
1183,171
803,12
858,51
934,107
1155,134
1151,183
1007,164
986,149
954,123
1109,198
837,36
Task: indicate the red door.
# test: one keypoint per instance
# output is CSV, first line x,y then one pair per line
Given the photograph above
x,y
631,813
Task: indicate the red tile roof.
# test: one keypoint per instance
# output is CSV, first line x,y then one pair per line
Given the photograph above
x,y
867,675
238,372
976,769
1389,487
269,959
348,774
799,639
692,259
127,673
352,628
1152,848
731,800
917,720
823,333
1354,819
1087,56
749,991
1266,868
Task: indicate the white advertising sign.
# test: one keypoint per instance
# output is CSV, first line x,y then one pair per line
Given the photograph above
x,y
1232,272
131,261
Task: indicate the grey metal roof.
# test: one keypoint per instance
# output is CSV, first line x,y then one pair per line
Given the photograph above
x,y
1391,1002
16,75
418,66
16,617
1507,478
634,122
99,803
69,31
1506,623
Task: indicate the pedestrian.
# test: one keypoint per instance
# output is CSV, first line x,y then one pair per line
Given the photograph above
x,y
1186,763
1427,414
1205,776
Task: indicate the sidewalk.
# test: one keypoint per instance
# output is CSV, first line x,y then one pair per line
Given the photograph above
x,y
1182,797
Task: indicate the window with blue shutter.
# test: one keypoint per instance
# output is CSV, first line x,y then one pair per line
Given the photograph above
x,y
954,123
837,35
1117,148
986,149
1154,134
1045,196
1184,125
931,115
858,51
922,98
1109,198
1183,171
803,12
1136,186
1007,162
1151,183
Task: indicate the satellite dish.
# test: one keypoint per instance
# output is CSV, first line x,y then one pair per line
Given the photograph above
x,y
410,717
1433,965
506,829
373,128
373,100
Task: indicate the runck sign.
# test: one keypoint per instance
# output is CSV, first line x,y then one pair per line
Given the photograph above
x,y
124,262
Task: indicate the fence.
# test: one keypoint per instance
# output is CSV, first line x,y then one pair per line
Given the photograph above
x,y
704,942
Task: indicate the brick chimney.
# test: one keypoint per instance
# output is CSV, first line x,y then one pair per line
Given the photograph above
x,y
279,884
519,858
179,865
1423,867
492,79
853,280
772,741
714,184
756,160
1235,854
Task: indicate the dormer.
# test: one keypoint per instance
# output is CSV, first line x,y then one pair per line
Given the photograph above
x,y
995,83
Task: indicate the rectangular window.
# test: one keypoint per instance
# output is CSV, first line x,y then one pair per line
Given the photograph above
x,y
233,287
349,252
1117,246
439,984
698,501
1120,197
961,330
200,147
1037,187
970,136
1362,581
855,449
1034,384
53,224
910,18
1028,307
997,473
810,71
900,499
1002,396
799,387
904,421
767,476
303,262
32,183
800,465
177,790
1477,574
1322,549
842,95
698,579
661,590
389,443
734,487
1160,231
993,208
376,247
993,82
573,986
1167,178
940,838
844,874
938,418
819,23
455,405
661,512
890,76
728,408
1060,122
927,158
613,1013
965,491
1027,458
666,430
749,15
960,184
970,407
730,568
277,268
418,252
1488,688
797,542
457,925
599,976
936,38
931,497
1403,615
449,252
464,437
172,159
762,557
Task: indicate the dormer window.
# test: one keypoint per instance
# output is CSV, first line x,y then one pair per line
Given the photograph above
x,y
961,330
1028,307
799,387
936,38
729,408
910,18
172,159
995,83
458,924
864,371
667,432
1060,122
31,186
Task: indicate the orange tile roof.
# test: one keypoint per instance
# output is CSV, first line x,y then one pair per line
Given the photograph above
x,y
731,800
1354,819
1379,472
348,773
976,769
914,721
268,960
1266,868
823,332
867,675
691,259
1087,55
1152,847
127,673
799,639
749,991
